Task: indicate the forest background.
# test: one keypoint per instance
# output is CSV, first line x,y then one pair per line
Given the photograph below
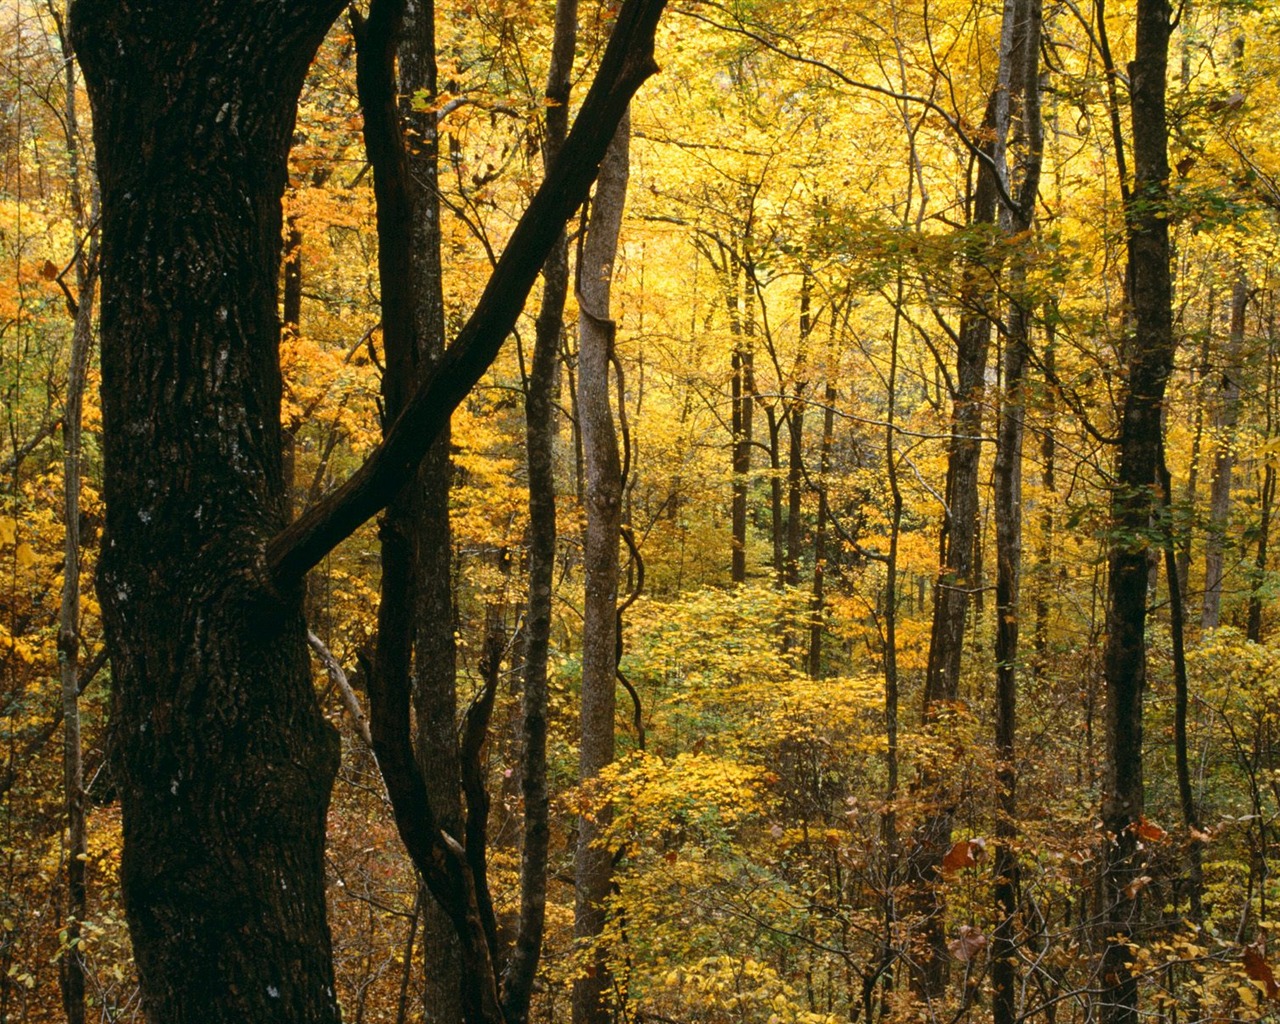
x,y
841,435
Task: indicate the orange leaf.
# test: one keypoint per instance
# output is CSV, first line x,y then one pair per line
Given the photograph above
x,y
1149,831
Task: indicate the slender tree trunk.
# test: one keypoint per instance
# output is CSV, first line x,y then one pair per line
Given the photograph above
x,y
958,542
1267,491
540,436
593,867
222,758
795,441
72,964
817,601
1227,415
776,531
742,414
1049,484
1150,354
452,871
1027,142
1184,523
431,537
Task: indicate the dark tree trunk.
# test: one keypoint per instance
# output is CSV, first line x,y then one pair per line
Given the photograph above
x,y
434,656
776,534
540,452
223,761
1149,355
593,864
958,543
1027,142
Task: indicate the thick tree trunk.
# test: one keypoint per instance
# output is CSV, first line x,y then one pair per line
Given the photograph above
x,y
1149,354
593,864
223,761
1226,416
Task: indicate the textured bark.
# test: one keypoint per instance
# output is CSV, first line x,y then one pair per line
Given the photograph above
x,y
593,864
222,759
1149,356
434,658
522,964
1226,416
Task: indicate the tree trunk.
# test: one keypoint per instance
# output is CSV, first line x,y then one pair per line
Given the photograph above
x,y
86,267
742,412
1028,143
434,619
1226,416
1149,355
223,761
817,601
958,542
540,436
592,862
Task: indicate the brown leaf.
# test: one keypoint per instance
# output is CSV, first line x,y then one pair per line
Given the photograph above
x,y
49,271
964,854
1257,969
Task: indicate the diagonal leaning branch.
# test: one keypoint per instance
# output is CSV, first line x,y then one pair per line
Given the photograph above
x,y
628,61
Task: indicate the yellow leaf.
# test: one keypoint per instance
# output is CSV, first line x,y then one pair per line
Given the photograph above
x,y
26,556
8,531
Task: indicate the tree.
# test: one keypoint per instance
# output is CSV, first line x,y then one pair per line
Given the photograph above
x,y
593,866
1150,352
222,760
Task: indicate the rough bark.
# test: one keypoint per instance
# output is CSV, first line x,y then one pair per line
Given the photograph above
x,y
434,656
222,759
1149,355
593,863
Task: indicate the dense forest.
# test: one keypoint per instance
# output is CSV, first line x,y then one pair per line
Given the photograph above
x,y
740,513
